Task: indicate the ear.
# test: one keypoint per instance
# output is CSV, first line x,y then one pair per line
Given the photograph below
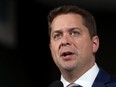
x,y
95,43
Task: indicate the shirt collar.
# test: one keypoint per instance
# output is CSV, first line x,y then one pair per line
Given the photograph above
x,y
87,79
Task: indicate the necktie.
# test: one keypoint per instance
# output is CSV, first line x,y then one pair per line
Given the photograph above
x,y
73,85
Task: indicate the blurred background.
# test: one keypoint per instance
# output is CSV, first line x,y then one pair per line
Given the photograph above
x,y
25,59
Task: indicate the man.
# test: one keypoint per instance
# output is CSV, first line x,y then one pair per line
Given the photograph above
x,y
73,44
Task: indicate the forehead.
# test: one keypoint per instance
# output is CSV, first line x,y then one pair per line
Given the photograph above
x,y
68,16
67,21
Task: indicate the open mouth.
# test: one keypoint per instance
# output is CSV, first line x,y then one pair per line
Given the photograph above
x,y
64,54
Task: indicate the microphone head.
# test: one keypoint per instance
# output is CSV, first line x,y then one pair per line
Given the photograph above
x,y
56,83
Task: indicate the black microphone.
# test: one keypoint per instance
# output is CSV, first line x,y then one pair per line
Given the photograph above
x,y
56,83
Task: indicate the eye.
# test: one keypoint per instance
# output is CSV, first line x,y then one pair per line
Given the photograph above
x,y
57,36
75,33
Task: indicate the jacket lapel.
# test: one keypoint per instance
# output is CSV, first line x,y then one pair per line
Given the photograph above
x,y
101,79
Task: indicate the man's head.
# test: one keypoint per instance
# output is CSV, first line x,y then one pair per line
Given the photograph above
x,y
73,38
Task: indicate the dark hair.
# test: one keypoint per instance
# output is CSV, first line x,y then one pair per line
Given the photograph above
x,y
89,20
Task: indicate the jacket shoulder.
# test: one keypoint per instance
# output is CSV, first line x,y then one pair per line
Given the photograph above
x,y
112,83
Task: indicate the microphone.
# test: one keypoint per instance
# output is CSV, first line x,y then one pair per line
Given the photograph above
x,y
56,83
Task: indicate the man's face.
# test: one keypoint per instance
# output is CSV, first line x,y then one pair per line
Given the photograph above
x,y
70,43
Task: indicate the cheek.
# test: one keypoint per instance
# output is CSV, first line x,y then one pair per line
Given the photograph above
x,y
53,50
54,54
85,49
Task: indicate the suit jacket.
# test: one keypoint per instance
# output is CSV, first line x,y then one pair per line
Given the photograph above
x,y
104,79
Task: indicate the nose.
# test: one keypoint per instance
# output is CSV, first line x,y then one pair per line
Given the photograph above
x,y
66,40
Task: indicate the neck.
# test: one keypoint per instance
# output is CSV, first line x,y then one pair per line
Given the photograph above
x,y
72,76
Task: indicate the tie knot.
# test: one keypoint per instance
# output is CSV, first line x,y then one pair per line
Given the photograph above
x,y
73,85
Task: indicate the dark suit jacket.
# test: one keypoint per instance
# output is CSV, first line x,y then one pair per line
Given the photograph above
x,y
104,79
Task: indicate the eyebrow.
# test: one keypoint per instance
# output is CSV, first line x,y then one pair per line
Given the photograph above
x,y
69,30
57,31
75,28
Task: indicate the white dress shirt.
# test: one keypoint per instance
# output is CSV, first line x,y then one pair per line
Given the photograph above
x,y
87,79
